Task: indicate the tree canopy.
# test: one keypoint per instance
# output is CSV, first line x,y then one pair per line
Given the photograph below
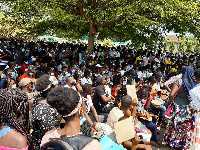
x,y
142,21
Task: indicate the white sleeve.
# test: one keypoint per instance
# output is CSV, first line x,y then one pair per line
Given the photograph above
x,y
89,100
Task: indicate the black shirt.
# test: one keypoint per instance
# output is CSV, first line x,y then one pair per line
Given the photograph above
x,y
97,98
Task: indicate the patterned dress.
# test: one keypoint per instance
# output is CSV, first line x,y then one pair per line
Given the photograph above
x,y
180,125
44,118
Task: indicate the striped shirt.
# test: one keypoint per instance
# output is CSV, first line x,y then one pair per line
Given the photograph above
x,y
114,115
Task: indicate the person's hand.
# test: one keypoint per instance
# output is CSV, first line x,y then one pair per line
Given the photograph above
x,y
147,115
155,116
135,141
168,103
134,102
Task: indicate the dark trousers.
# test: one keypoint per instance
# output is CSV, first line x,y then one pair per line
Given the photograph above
x,y
152,127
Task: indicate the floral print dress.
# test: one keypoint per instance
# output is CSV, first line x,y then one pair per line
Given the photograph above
x,y
44,118
180,124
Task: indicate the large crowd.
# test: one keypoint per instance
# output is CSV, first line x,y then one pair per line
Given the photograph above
x,y
59,96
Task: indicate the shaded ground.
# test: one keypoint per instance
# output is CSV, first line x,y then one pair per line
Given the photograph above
x,y
160,137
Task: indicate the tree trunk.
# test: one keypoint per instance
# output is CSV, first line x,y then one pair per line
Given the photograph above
x,y
91,39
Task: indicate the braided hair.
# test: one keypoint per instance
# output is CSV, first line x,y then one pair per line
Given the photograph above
x,y
11,101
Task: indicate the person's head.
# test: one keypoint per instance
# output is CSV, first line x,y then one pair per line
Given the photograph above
x,y
99,81
152,80
126,102
66,101
64,70
82,66
143,93
70,81
44,85
87,73
157,75
117,69
197,75
77,77
13,103
26,84
87,89
30,70
8,72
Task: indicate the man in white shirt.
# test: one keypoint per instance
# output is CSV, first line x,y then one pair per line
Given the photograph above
x,y
70,83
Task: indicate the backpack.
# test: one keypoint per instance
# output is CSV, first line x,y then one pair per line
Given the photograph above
x,y
77,142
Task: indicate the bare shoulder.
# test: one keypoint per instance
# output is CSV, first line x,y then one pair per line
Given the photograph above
x,y
94,144
18,140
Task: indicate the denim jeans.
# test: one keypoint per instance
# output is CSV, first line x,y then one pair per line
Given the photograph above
x,y
161,110
103,118
152,127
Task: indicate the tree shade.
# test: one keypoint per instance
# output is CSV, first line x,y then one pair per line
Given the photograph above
x,y
141,21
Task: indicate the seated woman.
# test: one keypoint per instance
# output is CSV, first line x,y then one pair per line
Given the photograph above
x,y
13,104
69,104
145,118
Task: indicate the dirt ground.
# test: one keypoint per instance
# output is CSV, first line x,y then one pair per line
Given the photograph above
x,y
160,137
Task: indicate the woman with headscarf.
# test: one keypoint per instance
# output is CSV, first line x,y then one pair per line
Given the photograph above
x,y
13,134
180,124
44,117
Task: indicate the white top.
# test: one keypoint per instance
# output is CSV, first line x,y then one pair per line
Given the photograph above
x,y
73,87
86,80
88,103
195,97
107,91
156,86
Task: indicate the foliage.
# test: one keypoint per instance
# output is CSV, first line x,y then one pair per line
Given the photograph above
x,y
197,47
165,45
141,21
181,46
172,46
107,42
9,29
189,46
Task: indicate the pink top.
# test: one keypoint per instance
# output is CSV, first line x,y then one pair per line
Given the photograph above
x,y
94,145
8,148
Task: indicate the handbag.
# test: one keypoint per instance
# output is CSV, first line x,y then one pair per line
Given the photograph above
x,y
168,111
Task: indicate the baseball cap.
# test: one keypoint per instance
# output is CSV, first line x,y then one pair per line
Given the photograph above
x,y
25,81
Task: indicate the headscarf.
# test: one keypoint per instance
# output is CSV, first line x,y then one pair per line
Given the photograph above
x,y
188,81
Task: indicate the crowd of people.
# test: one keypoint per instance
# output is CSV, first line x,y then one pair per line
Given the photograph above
x,y
60,96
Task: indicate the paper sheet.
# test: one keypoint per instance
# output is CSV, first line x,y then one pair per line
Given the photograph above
x,y
131,91
124,130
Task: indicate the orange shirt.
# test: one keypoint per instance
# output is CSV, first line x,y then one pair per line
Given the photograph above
x,y
114,91
25,76
152,91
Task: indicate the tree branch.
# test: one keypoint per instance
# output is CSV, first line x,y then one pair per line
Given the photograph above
x,y
83,13
110,22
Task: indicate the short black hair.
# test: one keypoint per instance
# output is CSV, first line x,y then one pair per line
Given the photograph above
x,y
197,73
42,83
143,92
86,87
126,102
157,75
64,100
87,72
152,79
